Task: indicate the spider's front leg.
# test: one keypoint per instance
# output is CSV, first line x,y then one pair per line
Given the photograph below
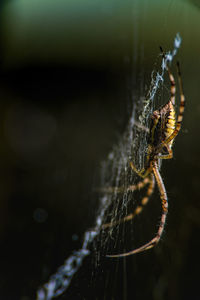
x,y
143,172
169,155
175,132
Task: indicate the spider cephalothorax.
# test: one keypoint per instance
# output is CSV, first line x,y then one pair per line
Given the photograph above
x,y
163,130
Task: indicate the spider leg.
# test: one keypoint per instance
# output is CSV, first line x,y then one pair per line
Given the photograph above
x,y
144,200
110,190
173,86
163,197
156,118
121,189
140,207
142,173
166,156
181,109
171,78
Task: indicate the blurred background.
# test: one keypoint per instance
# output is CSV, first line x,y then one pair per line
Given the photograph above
x,y
69,73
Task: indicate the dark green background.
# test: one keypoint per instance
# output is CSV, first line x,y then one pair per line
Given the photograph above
x,y
69,71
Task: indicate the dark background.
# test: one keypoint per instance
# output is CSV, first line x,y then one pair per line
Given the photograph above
x,y
69,71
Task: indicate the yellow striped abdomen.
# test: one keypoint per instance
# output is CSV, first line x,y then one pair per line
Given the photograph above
x,y
170,123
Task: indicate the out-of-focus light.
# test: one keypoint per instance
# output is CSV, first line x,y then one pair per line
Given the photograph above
x,y
40,215
29,130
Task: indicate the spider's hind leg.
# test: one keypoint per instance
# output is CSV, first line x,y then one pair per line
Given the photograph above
x,y
164,201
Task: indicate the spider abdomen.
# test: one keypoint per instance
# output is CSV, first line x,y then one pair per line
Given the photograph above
x,y
170,123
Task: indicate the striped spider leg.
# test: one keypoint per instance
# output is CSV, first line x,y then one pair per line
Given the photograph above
x,y
141,184
163,130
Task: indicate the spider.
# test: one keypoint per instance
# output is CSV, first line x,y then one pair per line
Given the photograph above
x,y
163,130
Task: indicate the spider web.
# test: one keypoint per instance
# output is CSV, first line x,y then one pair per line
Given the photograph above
x,y
116,173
